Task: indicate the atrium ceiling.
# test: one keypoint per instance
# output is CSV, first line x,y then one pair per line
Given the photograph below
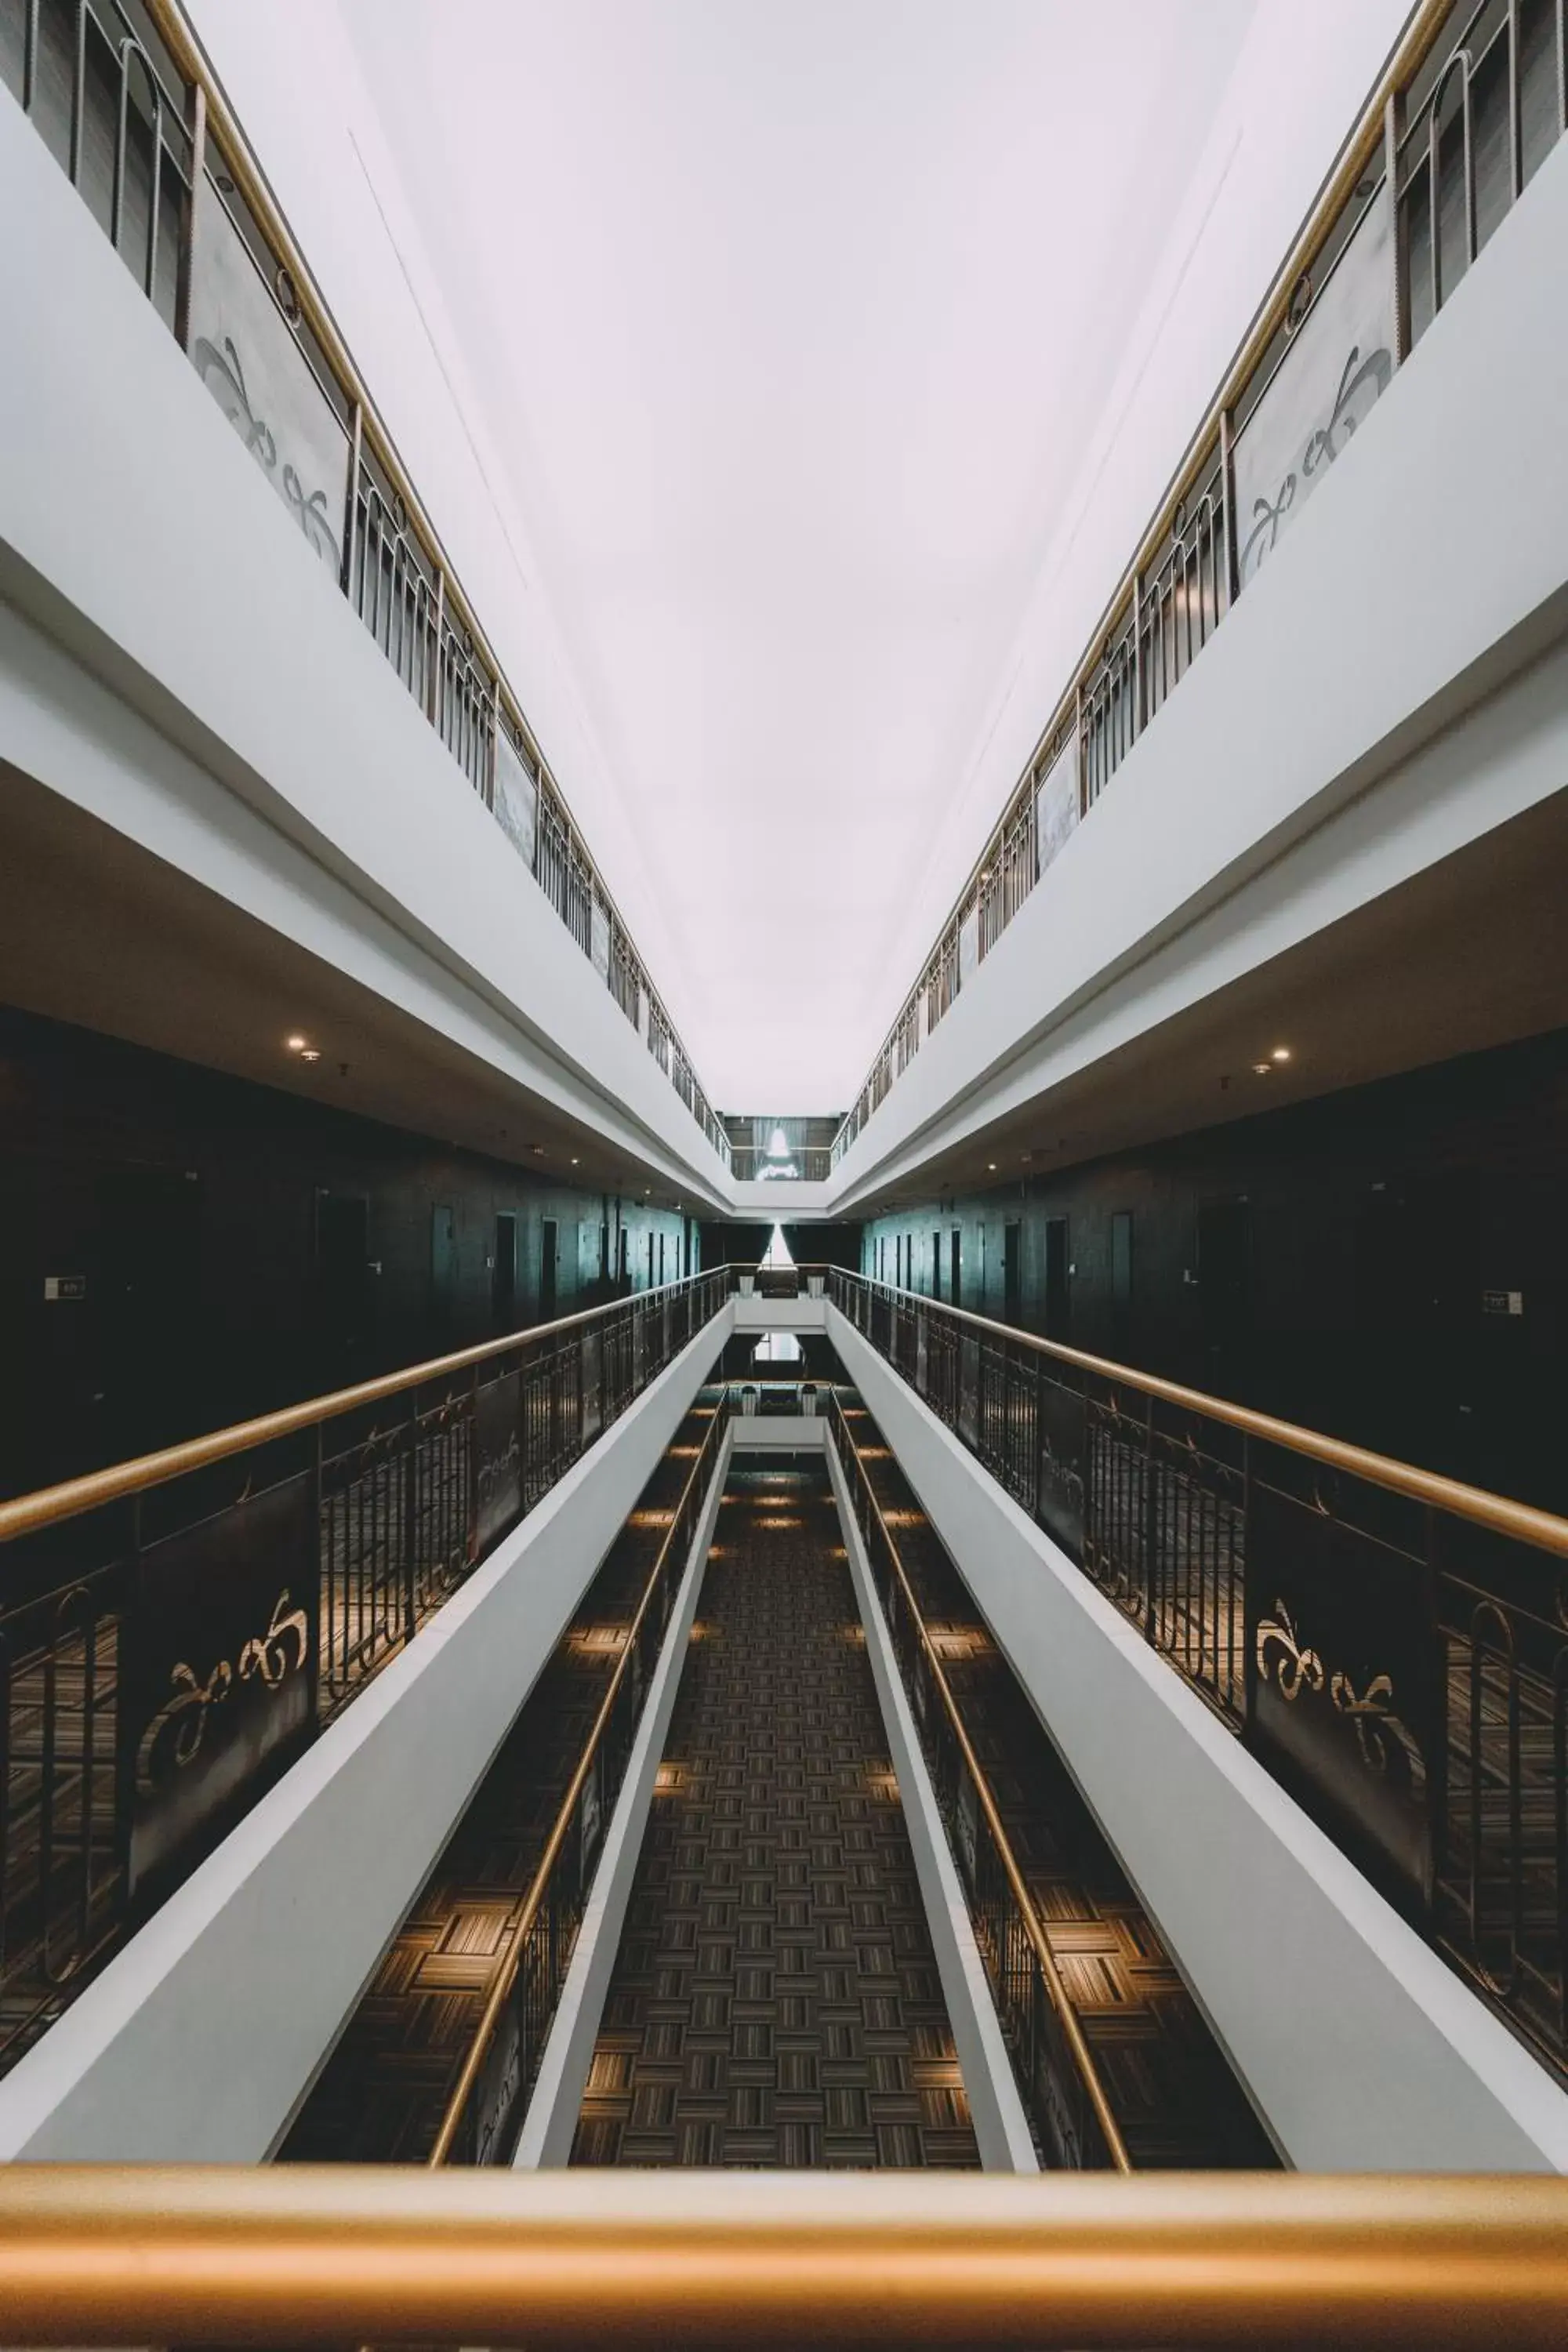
x,y
790,381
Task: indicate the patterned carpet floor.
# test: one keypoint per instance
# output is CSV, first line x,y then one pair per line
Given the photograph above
x,y
775,1999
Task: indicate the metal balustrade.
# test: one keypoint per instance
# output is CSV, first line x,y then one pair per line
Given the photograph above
x,y
177,1629
122,96
1391,1643
1475,99
808,1163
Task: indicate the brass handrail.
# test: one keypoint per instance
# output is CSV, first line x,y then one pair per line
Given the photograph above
x,y
334,2254
1426,22
1082,2056
1522,1522
27,1513
504,1976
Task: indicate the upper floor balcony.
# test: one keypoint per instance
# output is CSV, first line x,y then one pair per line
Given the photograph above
x,y
247,708
1310,735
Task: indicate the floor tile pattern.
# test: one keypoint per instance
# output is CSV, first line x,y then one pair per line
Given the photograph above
x,y
775,1999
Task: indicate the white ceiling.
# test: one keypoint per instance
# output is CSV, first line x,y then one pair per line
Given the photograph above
x,y
814,363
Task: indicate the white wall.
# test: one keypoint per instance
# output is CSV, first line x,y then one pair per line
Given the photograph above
x,y
780,1314
1361,2049
180,666
1362,713
201,2038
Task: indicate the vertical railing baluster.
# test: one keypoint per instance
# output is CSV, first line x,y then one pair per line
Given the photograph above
x,y
30,53
1515,124
350,505
184,281
88,1769
1560,1823
437,624
1150,1536
410,1514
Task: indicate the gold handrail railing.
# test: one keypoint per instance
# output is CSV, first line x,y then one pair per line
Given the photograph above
x,y
515,1941
333,2255
27,1513
1520,1522
1072,2029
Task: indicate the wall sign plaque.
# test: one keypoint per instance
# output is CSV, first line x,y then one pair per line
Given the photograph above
x,y
1327,383
217,1665
1345,1685
498,1461
245,352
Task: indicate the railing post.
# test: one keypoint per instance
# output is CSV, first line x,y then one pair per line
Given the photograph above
x,y
1392,132
350,515
1228,504
1148,1521
433,697
471,1483
324,1562
188,261
1248,1647
411,1517
494,760
1139,684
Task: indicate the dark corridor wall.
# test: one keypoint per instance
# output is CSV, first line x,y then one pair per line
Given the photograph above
x,y
1388,1263
235,1248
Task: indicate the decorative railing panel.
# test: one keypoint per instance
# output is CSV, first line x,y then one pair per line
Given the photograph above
x,y
1327,380
242,346
1393,1645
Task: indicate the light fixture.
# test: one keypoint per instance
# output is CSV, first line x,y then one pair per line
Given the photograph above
x,y
295,1044
310,1053
574,1163
537,1150
1263,1070
1280,1054
991,1165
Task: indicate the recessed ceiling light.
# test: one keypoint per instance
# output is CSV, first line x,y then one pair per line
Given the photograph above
x,y
310,1053
295,1044
574,1163
1263,1070
991,1165
1280,1054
